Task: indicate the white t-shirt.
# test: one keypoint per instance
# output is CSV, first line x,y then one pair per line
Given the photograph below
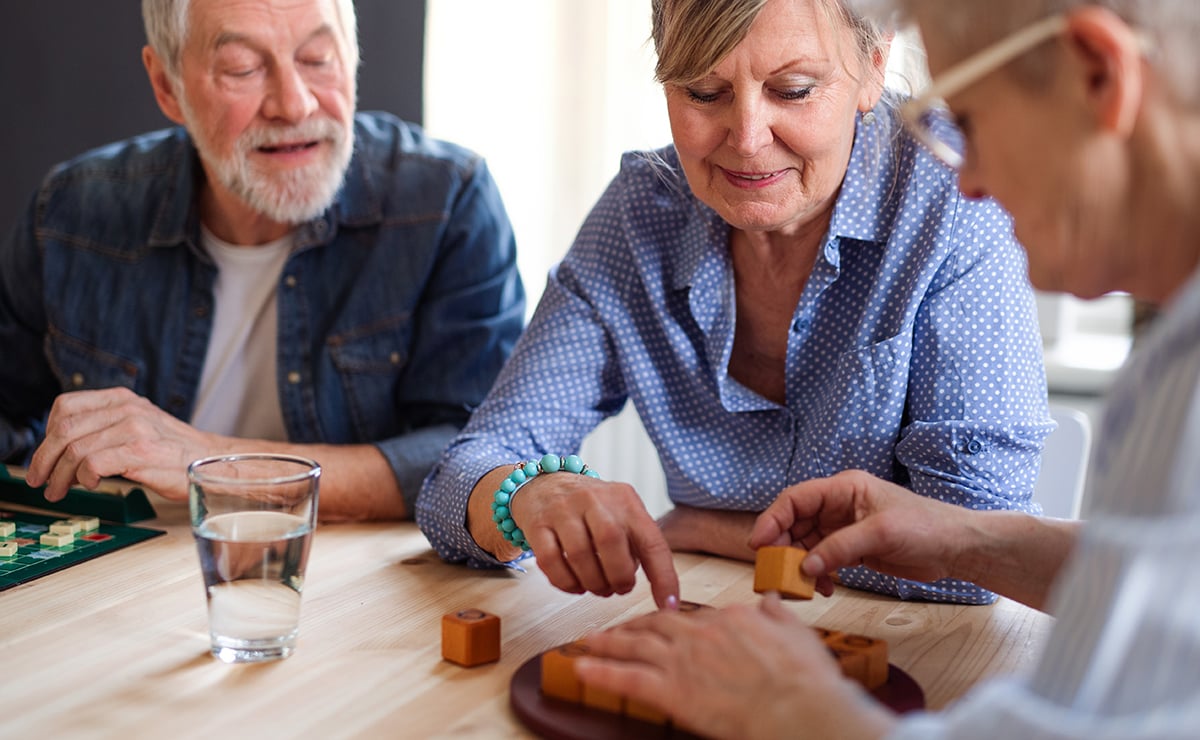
x,y
239,392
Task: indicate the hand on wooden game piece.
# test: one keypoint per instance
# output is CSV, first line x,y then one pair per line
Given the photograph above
x,y
740,672
853,518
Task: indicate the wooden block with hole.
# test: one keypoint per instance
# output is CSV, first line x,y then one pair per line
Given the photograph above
x,y
9,549
826,636
558,672
7,529
470,637
777,568
873,651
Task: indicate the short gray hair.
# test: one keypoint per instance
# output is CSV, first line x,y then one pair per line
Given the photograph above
x,y
1173,26
166,24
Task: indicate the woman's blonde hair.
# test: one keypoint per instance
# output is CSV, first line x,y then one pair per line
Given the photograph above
x,y
693,36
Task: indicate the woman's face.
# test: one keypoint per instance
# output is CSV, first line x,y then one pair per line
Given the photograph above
x,y
765,138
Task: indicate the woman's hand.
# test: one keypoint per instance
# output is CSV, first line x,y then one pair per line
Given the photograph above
x,y
589,535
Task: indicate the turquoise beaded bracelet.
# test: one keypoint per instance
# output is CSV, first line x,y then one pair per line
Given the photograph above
x,y
523,473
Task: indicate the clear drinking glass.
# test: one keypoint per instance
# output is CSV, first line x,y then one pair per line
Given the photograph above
x,y
253,516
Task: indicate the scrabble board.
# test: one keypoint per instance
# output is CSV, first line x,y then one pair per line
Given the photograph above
x,y
21,536
115,499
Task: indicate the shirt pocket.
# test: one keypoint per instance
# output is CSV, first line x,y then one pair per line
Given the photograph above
x,y
858,412
370,361
82,366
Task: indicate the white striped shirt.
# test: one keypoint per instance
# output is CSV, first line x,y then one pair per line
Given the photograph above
x,y
1123,659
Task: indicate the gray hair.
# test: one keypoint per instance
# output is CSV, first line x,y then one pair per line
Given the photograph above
x,y
166,24
1172,26
693,36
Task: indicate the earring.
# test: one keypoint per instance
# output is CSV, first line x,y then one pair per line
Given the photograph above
x,y
868,118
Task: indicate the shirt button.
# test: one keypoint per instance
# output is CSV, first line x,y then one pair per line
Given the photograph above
x,y
293,377
77,380
800,324
974,446
394,358
290,281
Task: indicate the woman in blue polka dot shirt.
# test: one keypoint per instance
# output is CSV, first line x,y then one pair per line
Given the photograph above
x,y
794,288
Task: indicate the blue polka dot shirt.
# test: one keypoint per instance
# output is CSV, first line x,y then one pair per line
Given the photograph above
x,y
913,354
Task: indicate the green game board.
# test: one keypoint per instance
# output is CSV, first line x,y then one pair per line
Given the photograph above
x,y
34,560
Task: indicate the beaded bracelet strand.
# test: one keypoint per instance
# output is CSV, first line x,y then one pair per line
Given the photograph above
x,y
525,472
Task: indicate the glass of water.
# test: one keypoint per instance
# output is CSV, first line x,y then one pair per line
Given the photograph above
x,y
253,516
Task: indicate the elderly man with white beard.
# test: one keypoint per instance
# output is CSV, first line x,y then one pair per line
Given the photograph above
x,y
278,273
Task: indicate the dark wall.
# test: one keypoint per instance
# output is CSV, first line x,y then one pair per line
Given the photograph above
x,y
71,78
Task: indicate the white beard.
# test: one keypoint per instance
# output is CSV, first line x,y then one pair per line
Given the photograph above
x,y
291,197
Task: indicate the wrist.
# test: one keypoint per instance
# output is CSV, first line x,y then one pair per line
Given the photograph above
x,y
520,475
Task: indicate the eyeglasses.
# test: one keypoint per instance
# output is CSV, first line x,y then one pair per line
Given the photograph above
x,y
925,115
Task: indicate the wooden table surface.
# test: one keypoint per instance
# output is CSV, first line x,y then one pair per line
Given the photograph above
x,y
118,646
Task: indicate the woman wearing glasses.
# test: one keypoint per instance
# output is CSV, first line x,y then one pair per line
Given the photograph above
x,y
794,288
1084,120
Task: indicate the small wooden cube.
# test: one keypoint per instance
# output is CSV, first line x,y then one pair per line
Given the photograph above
x,y
558,671
7,529
86,523
874,651
777,568
64,527
50,539
8,549
852,663
602,699
470,637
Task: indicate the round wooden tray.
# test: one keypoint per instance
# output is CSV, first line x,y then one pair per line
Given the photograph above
x,y
560,720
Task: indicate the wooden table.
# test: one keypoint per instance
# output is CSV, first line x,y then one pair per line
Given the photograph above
x,y
118,646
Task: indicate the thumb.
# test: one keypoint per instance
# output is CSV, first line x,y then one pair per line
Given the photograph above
x,y
846,547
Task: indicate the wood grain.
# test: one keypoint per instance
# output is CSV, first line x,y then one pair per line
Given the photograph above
x,y
119,645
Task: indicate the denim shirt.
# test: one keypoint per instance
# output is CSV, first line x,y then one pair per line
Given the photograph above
x,y
397,307
913,353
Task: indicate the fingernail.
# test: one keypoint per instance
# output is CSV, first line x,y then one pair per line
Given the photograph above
x,y
813,565
672,603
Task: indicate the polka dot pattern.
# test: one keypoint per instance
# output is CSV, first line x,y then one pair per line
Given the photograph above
x,y
914,353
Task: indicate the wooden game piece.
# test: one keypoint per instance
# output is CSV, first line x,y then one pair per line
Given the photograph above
x,y
63,526
7,529
50,539
874,652
86,523
471,637
826,636
608,701
852,662
8,549
777,568
558,672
